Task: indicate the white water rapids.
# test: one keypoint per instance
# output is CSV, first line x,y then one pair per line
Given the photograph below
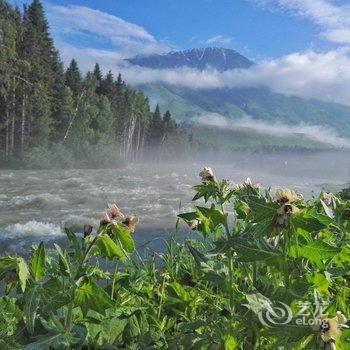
x,y
36,204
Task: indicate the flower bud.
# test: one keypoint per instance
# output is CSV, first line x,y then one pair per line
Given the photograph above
x,y
87,230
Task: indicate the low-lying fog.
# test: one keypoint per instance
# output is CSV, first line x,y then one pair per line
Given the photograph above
x,y
36,204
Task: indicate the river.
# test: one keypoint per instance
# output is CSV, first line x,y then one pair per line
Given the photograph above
x,y
36,204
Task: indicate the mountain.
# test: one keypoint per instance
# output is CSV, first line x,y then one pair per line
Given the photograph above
x,y
203,58
188,105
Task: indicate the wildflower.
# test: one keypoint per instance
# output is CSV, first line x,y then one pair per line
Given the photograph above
x,y
206,174
87,230
131,222
166,276
193,224
328,198
330,328
113,213
285,211
248,184
286,195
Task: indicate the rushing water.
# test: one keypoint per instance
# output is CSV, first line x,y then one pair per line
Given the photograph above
x,y
35,205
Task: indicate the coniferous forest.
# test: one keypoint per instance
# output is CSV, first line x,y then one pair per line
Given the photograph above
x,y
52,116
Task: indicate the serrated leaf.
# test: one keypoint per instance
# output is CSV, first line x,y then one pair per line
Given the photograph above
x,y
261,209
310,220
317,251
32,300
258,250
37,263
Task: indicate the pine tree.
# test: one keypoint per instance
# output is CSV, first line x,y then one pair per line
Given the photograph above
x,y
46,69
9,73
155,128
107,87
41,105
73,78
98,76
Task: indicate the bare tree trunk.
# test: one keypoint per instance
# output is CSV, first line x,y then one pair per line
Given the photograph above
x,y
7,137
130,137
138,142
23,122
12,146
143,139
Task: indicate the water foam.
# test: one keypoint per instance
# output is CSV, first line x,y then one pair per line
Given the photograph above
x,y
31,228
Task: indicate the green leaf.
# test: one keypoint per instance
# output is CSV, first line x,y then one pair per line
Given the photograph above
x,y
261,209
63,261
73,243
19,265
124,237
320,281
197,255
188,216
22,272
258,302
310,220
91,296
258,250
288,334
37,263
213,214
51,341
327,209
317,251
109,249
230,343
32,299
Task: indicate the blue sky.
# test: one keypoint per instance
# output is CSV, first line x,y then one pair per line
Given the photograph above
x,y
251,28
190,23
301,47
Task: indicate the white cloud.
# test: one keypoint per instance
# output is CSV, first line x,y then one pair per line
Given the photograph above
x,y
316,132
219,40
333,18
128,38
87,57
213,119
323,76
319,133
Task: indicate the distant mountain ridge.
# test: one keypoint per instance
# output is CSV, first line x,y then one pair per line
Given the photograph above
x,y
186,104
202,58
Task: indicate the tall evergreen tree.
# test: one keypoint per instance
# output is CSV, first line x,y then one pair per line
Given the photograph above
x,y
155,129
98,76
41,105
107,87
46,69
73,78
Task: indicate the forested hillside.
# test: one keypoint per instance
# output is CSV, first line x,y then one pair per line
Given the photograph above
x,y
49,115
233,103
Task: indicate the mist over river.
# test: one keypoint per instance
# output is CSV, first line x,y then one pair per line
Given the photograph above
x,y
36,204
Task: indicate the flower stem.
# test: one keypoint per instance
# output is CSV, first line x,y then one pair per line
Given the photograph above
x,y
231,289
